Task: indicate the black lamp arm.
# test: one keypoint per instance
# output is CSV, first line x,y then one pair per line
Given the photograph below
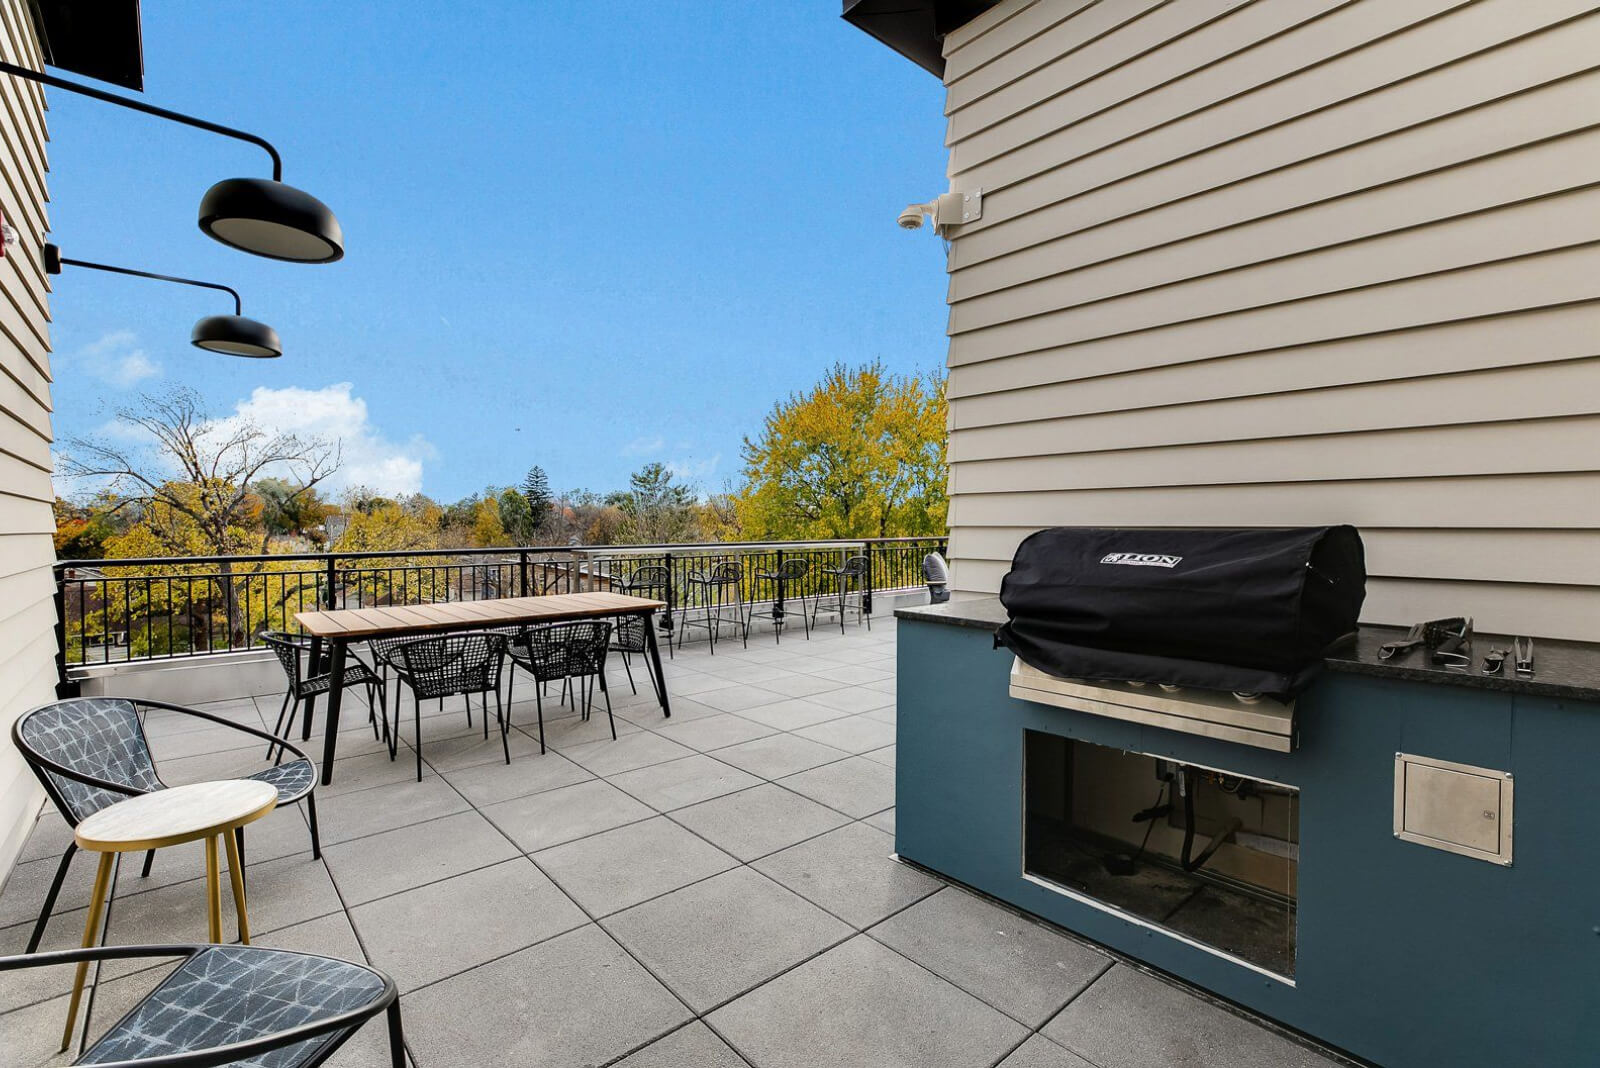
x,y
148,109
238,305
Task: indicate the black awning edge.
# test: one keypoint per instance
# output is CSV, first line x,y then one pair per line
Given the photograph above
x,y
914,28
98,39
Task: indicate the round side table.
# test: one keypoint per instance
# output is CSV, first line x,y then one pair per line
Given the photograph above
x,y
179,814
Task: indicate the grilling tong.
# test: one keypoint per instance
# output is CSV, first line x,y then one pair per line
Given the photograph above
x,y
1448,640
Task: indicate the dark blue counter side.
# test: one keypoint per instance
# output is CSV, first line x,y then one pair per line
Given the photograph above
x,y
1407,956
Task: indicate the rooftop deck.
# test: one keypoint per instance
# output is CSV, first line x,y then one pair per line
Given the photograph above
x,y
712,890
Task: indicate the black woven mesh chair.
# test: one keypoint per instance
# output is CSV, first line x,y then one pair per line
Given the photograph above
x,y
653,581
575,651
849,577
386,655
448,666
237,1005
628,638
717,593
788,580
307,680
90,752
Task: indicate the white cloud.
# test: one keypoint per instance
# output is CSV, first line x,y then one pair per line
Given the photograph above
x,y
695,470
368,458
115,359
644,446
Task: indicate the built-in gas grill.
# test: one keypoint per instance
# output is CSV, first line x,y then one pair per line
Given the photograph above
x,y
1248,612
1204,632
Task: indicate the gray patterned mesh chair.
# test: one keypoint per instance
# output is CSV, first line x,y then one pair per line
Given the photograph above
x,y
237,1005
575,651
448,666
90,752
313,680
849,577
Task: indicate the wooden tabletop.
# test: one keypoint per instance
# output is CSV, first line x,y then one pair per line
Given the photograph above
x,y
363,623
176,815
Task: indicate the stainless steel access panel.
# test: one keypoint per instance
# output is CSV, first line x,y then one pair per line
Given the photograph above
x,y
1455,807
1261,722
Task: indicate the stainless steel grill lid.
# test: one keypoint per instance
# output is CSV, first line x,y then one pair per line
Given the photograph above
x,y
1245,610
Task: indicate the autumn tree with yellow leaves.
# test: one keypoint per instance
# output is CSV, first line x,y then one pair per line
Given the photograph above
x,y
860,455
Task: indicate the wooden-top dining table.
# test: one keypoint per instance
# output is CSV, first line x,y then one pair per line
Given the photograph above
x,y
337,629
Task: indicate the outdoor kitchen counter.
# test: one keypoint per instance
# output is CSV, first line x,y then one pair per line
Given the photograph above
x,y
1406,952
1563,670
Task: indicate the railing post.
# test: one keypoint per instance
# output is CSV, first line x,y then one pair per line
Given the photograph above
x,y
666,617
64,688
522,573
330,577
777,606
866,592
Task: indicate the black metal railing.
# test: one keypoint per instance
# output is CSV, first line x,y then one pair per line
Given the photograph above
x,y
172,607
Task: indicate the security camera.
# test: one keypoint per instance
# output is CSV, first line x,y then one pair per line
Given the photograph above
x,y
946,211
911,217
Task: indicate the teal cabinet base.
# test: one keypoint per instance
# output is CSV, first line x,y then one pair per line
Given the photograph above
x,y
1406,955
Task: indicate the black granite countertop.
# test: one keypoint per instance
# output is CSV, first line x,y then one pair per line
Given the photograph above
x,y
1568,670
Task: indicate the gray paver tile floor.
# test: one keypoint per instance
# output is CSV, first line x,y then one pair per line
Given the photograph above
x,y
711,891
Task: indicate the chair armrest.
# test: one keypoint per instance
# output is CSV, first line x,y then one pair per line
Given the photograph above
x,y
73,956
257,732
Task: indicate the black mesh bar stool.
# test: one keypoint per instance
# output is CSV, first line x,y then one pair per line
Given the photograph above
x,y
849,577
717,592
449,666
90,752
789,579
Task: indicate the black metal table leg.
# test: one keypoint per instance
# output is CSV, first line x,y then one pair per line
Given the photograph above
x,y
655,662
336,690
311,701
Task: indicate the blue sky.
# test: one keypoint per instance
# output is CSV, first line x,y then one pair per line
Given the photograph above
x,y
584,235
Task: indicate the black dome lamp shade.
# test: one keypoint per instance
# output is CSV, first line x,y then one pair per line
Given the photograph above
x,y
231,335
234,335
256,215
271,219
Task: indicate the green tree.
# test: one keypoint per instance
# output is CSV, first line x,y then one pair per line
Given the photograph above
x,y
516,517
657,510
290,511
861,454
541,501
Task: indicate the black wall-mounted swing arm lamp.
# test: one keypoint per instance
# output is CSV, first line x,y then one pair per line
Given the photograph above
x,y
254,215
233,335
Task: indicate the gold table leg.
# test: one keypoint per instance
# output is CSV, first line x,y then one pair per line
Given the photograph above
x,y
236,876
213,892
91,934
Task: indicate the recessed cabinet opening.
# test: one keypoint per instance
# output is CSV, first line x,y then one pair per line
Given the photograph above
x,y
1206,855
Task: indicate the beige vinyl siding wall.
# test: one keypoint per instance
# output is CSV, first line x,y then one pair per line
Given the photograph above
x,y
1287,262
27,611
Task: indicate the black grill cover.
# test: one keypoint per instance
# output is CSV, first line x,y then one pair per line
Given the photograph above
x,y
1240,610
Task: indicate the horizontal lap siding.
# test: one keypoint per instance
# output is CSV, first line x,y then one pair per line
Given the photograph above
x,y
1287,262
27,612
